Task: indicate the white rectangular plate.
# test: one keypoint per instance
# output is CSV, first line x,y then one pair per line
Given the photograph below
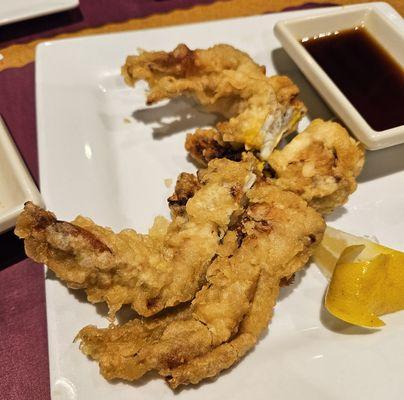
x,y
18,10
104,154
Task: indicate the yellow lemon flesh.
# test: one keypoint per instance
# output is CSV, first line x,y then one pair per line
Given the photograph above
x,y
367,279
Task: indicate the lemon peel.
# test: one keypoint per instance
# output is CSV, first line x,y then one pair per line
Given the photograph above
x,y
367,279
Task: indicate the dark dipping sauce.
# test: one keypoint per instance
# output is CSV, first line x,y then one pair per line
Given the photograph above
x,y
363,70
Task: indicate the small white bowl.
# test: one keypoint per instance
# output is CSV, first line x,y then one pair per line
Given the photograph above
x,y
16,184
390,34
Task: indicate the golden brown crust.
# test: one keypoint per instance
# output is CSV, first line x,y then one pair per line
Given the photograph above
x,y
224,356
233,307
226,81
320,165
205,145
185,188
149,272
234,238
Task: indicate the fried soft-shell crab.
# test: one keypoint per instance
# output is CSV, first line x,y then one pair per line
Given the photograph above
x,y
236,234
259,109
150,272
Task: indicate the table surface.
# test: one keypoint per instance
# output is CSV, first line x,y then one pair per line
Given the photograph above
x,y
23,348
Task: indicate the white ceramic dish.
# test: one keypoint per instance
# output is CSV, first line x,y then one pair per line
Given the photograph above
x,y
18,10
386,31
104,154
16,184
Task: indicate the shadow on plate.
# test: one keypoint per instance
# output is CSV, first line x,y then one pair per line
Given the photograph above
x,y
124,315
144,380
285,291
182,113
178,115
79,294
336,214
380,163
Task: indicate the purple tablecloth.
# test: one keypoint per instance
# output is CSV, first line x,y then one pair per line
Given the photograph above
x,y
23,345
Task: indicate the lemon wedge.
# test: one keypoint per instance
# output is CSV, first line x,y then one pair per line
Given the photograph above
x,y
367,279
335,242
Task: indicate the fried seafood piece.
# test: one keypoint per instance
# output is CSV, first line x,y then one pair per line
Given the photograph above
x,y
149,272
186,186
205,145
226,81
114,347
320,165
274,238
227,354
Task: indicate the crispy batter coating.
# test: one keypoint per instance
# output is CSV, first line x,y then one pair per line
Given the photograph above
x,y
320,164
149,272
205,145
227,81
234,238
185,188
224,356
275,238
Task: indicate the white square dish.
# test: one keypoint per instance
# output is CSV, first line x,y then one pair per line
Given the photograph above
x,y
388,33
19,10
16,184
105,155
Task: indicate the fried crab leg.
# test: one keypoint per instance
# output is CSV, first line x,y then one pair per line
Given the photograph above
x,y
260,110
149,272
320,165
274,238
227,354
